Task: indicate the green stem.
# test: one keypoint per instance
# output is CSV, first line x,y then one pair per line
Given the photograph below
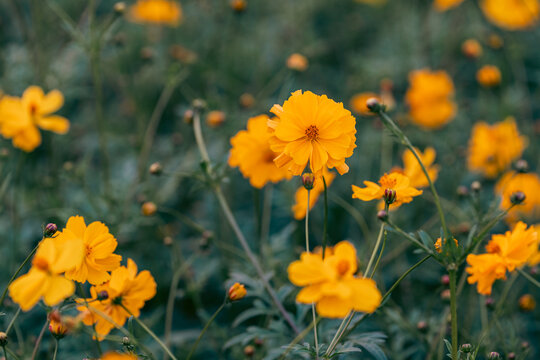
x,y
529,277
407,236
55,348
453,313
5,353
194,347
374,252
380,253
398,281
312,304
17,273
297,339
325,224
12,322
38,341
95,335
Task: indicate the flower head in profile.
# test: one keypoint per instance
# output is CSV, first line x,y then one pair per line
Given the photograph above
x,y
331,283
443,5
300,197
237,292
312,129
165,12
125,290
492,148
511,14
99,246
251,153
430,98
413,170
45,280
395,182
23,117
529,184
488,76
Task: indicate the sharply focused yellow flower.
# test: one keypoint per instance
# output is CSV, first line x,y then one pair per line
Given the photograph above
x,y
126,289
443,5
488,76
511,14
251,153
99,247
527,183
166,12
413,170
400,183
312,128
359,102
492,148
430,98
44,280
331,284
23,117
300,197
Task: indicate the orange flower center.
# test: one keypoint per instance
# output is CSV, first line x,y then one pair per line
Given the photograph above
x,y
269,156
312,133
342,267
493,248
387,182
40,263
88,250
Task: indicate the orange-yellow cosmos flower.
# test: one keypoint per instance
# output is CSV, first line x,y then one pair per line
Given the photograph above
x,y
484,270
443,5
126,289
23,117
527,183
430,98
99,247
45,280
251,153
166,12
300,197
511,14
393,181
113,355
488,76
312,128
492,148
413,170
331,284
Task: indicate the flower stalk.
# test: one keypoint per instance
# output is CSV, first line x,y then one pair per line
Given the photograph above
x,y
453,312
194,347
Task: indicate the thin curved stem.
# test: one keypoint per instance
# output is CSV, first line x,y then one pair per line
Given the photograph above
x,y
400,279
453,313
17,272
407,236
38,341
194,347
529,277
325,224
55,348
374,252
312,304
12,322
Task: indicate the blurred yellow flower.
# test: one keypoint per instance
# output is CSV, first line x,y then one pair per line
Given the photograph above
x,y
511,14
215,118
297,62
99,247
526,302
166,12
358,102
237,292
126,289
331,284
471,48
430,98
312,128
413,170
527,183
443,5
44,280
400,183
113,355
492,148
238,5
535,257
21,117
372,2
488,76
251,153
300,197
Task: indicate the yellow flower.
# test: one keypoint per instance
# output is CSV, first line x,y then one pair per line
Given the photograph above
x,y
312,128
443,5
113,355
99,247
300,197
511,14
438,244
527,183
21,117
430,98
238,5
484,270
215,118
331,284
393,181
492,148
237,292
488,76
535,257
471,48
44,280
413,170
297,62
359,105
126,289
166,12
251,153
527,302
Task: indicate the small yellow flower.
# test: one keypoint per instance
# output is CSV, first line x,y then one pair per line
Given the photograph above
x,y
166,12
443,5
438,244
359,105
488,76
527,302
511,14
251,153
527,183
215,118
492,148
300,197
331,283
471,48
297,62
237,292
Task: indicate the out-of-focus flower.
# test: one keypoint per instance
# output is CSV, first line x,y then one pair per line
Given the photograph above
x,y
372,2
331,284
300,197
44,280
113,355
215,118
443,5
488,76
529,184
57,328
251,153
495,41
359,102
148,208
413,170
430,98
312,128
438,244
492,148
535,257
237,292
387,97
247,100
471,48
99,247
23,117
238,5
126,289
527,302
511,14
393,181
297,62
165,12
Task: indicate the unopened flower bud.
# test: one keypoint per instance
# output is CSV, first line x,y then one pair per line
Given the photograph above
x,y
382,215
215,118
156,169
445,280
103,295
49,230
199,104
125,341
517,198
148,208
389,196
522,166
511,356
258,341
466,348
120,7
490,303
167,241
422,326
249,350
525,345
373,104
247,100
527,303
476,186
237,292
445,294
494,356
462,191
188,116
57,328
308,180
3,339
